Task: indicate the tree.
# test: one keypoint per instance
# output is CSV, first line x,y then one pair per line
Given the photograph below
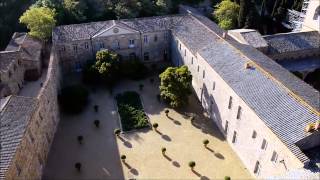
x,y
226,13
280,10
40,21
248,15
76,9
163,6
107,66
175,86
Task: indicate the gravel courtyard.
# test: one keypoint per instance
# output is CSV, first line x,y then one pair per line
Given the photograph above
x,y
101,150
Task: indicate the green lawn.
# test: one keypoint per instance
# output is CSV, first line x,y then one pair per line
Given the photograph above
x,y
131,111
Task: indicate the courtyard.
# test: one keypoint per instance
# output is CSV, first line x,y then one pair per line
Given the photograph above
x,y
100,151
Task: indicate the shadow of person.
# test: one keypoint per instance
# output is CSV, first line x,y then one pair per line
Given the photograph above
x,y
196,173
167,157
157,131
176,164
127,144
209,149
219,155
166,137
134,172
204,178
177,122
127,165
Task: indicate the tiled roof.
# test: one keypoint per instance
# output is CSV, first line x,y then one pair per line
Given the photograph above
x,y
249,36
6,58
86,31
288,42
13,122
266,96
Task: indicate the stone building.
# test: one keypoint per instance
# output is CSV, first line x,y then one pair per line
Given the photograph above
x,y
261,108
27,126
21,60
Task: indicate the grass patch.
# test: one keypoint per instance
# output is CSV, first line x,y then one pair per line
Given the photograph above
x,y
131,111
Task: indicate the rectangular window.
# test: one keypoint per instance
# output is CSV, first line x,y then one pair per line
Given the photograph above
x,y
191,60
203,74
254,134
230,103
166,35
239,112
213,85
198,68
180,46
86,45
146,56
75,48
226,127
131,42
185,52
264,144
155,38
274,156
101,45
145,39
257,168
234,138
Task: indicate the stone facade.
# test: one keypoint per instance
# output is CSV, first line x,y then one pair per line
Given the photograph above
x,y
33,148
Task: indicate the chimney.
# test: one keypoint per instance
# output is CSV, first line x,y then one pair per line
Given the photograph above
x,y
224,35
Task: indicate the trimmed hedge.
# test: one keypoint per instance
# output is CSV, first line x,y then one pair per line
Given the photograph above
x,y
131,111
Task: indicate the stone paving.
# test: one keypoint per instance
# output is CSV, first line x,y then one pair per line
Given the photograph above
x,y
100,152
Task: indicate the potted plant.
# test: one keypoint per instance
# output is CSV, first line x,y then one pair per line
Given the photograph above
x,y
227,178
192,164
80,139
96,123
205,142
163,150
155,126
78,166
141,87
117,132
123,158
96,108
167,112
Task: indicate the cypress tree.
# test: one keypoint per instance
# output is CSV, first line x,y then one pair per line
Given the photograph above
x,y
243,12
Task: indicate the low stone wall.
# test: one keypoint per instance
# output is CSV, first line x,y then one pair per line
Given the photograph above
x,y
31,155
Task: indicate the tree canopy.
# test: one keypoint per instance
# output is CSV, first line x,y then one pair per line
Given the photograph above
x,y
226,13
40,21
175,86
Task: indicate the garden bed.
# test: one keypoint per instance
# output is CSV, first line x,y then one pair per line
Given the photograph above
x,y
131,111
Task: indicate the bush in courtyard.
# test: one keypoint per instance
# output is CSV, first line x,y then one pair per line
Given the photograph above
x,y
123,158
227,178
175,86
73,98
117,131
96,123
163,150
155,126
167,112
205,142
131,111
134,69
192,164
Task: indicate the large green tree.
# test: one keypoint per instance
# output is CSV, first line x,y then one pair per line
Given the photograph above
x,y
248,15
76,9
107,66
226,13
175,85
40,21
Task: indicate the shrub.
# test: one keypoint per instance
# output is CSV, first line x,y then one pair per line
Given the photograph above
x,y
192,164
96,123
73,99
123,157
77,166
167,112
163,150
96,108
155,125
131,111
117,131
141,87
227,178
205,142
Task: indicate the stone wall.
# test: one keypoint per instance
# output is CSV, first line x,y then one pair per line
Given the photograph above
x,y
214,94
31,155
